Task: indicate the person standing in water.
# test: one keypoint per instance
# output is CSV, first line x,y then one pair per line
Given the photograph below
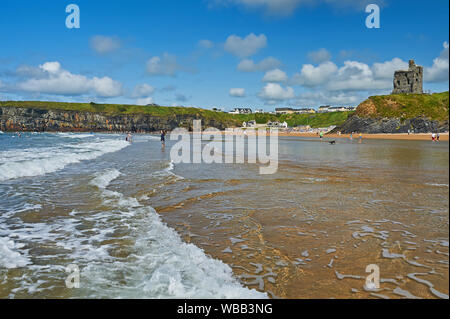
x,y
163,139
129,138
360,137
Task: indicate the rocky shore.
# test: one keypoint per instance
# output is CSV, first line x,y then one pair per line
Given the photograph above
x,y
391,125
42,120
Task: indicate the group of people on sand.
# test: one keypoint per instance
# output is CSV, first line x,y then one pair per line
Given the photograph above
x,y
435,137
129,138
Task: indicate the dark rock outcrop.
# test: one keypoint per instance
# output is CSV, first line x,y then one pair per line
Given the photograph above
x,y
391,125
34,119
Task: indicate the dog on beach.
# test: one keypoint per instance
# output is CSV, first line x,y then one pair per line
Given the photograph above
x,y
332,142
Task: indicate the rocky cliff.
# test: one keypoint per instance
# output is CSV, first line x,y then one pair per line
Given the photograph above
x,y
391,125
398,113
38,119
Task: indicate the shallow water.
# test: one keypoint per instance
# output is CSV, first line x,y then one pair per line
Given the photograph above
x,y
138,226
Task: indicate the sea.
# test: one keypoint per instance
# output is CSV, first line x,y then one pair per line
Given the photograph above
x,y
125,221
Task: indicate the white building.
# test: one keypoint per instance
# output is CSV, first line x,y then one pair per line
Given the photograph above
x,y
238,110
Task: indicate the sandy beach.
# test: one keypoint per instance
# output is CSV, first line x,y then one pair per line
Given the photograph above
x,y
381,136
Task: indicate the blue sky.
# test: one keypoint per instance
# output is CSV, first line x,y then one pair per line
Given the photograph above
x,y
224,53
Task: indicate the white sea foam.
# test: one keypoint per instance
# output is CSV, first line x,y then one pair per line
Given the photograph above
x,y
9,256
75,135
163,266
103,179
436,184
40,161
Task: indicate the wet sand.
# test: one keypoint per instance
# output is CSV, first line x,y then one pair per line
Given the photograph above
x,y
381,136
311,230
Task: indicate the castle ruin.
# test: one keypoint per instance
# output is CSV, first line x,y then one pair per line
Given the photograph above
x,y
410,81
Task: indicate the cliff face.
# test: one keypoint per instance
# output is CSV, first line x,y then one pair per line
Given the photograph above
x,y
391,125
34,119
398,113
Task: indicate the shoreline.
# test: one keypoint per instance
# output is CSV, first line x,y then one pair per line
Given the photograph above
x,y
376,136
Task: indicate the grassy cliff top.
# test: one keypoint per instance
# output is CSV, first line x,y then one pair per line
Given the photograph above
x,y
314,120
433,106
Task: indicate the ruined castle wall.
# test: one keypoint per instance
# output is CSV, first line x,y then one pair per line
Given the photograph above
x,y
410,81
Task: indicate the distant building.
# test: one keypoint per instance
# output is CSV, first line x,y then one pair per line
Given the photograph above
x,y
277,124
259,111
410,81
327,109
284,110
238,110
324,109
249,124
304,111
289,110
337,109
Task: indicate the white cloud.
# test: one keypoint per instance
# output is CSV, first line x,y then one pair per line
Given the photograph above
x,y
387,69
237,92
167,65
248,65
144,101
438,72
103,44
55,80
317,98
352,76
319,56
245,47
357,76
106,87
311,75
142,90
275,75
275,92
205,44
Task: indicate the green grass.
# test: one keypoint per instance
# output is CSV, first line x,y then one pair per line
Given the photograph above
x,y
434,106
314,120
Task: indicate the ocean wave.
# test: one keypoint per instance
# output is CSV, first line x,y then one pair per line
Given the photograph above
x,y
75,135
163,266
9,257
41,161
103,179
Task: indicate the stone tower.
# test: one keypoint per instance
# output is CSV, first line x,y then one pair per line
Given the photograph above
x,y
410,81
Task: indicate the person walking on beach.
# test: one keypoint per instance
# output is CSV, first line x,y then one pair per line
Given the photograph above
x,y
351,136
437,137
433,137
163,138
360,137
321,135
